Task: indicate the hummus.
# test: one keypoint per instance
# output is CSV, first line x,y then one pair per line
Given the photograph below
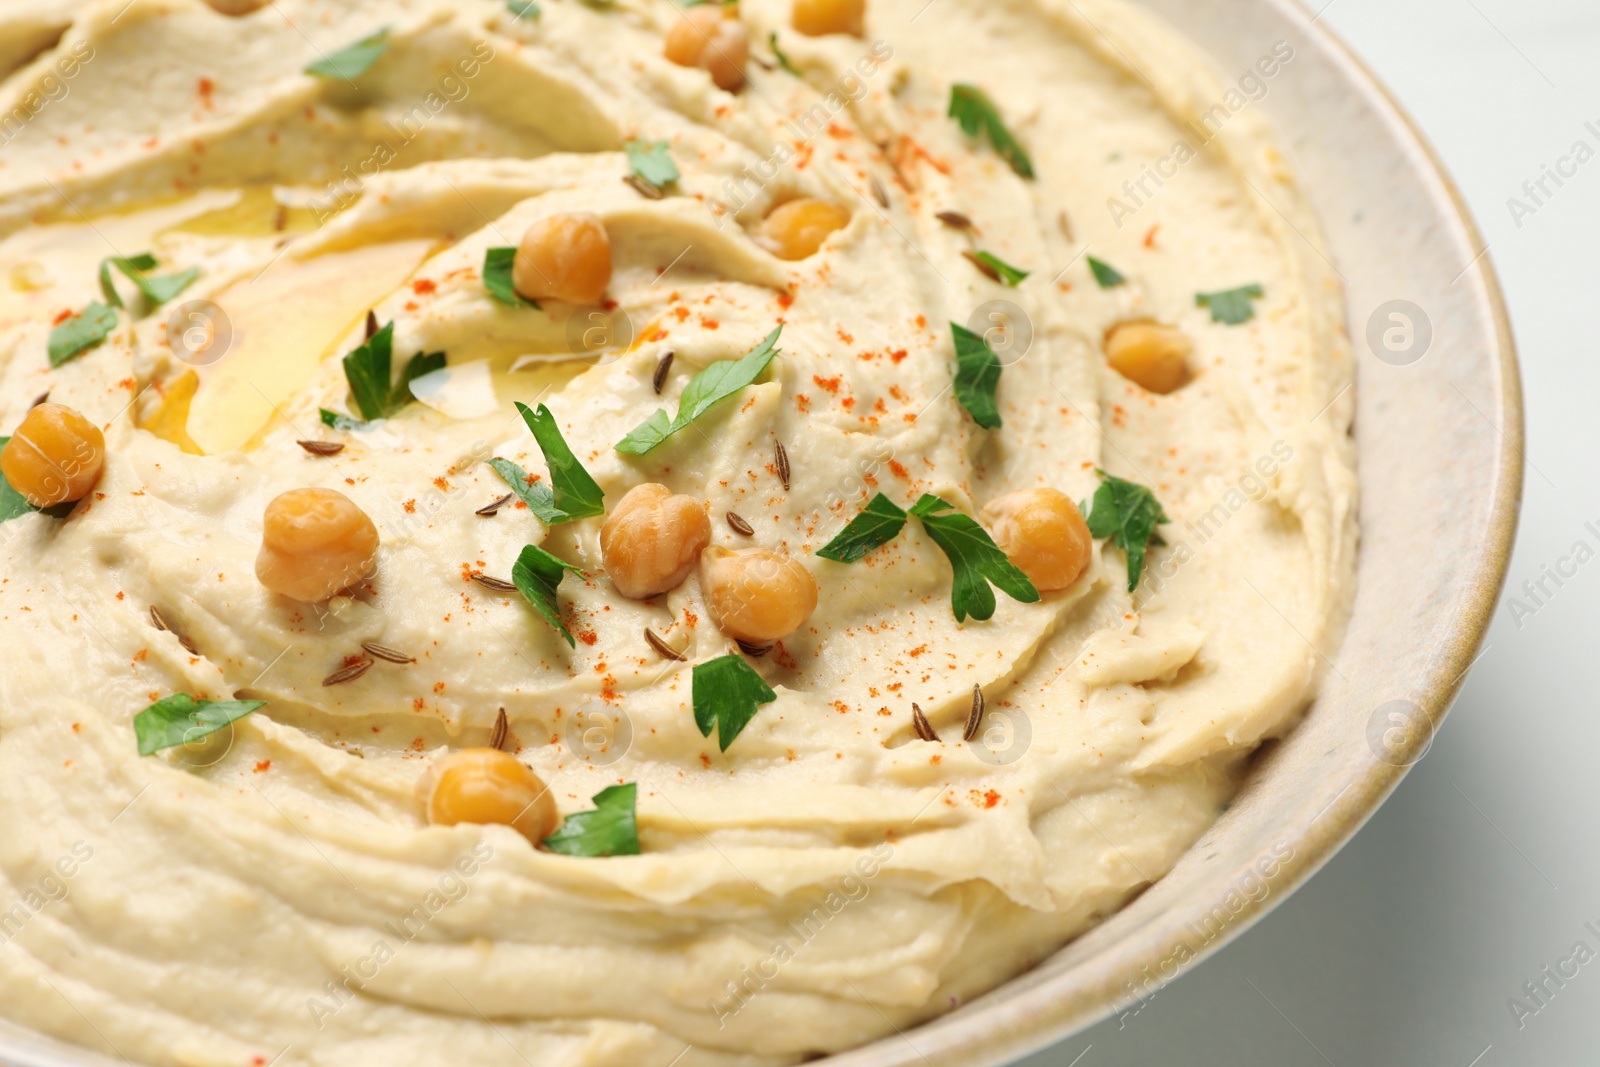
x,y
275,894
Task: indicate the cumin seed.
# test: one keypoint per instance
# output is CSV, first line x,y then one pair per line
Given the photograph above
x,y
984,268
879,193
349,673
372,648
187,645
372,322
321,448
489,509
736,521
954,218
975,716
158,620
919,723
753,651
645,187
780,456
499,585
497,739
659,379
1066,225
666,651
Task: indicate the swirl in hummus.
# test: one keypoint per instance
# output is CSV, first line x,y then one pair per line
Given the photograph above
x,y
856,847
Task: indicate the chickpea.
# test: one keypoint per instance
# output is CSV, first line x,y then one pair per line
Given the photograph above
x,y
814,18
796,229
489,787
55,456
564,257
1149,354
757,595
315,542
1043,534
711,37
651,540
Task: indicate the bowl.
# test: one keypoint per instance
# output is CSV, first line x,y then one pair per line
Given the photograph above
x,y
1439,427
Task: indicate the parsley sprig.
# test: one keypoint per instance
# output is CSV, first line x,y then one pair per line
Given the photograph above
x,y
497,263
572,494
157,289
611,829
80,332
705,390
180,719
999,269
1105,275
537,574
972,108
354,60
1231,306
727,693
369,370
1128,513
974,557
977,376
651,161
783,60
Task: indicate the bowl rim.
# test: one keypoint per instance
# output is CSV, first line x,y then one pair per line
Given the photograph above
x,y
1043,1015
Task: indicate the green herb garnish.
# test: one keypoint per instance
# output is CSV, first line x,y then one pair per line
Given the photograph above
x,y
1107,276
497,264
651,161
972,108
340,422
157,290
524,9
180,719
573,494
783,60
1231,306
368,369
877,524
705,390
975,558
727,694
352,61
83,331
1128,513
537,574
1006,272
611,829
977,376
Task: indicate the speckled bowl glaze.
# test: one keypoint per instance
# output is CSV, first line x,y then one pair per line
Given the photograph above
x,y
1440,434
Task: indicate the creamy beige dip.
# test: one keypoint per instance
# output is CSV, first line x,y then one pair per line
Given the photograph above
x,y
275,894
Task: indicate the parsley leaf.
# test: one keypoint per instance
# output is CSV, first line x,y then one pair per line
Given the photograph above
x,y
611,829
977,376
783,60
575,494
1128,513
1007,273
536,574
180,718
705,390
1231,306
972,108
82,331
368,369
497,277
524,9
976,559
340,422
157,290
874,526
1105,274
352,61
727,694
651,161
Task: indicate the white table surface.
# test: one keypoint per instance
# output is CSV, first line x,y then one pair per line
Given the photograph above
x,y
1483,868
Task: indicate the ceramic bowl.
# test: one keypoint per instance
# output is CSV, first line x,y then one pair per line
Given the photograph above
x,y
1439,426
